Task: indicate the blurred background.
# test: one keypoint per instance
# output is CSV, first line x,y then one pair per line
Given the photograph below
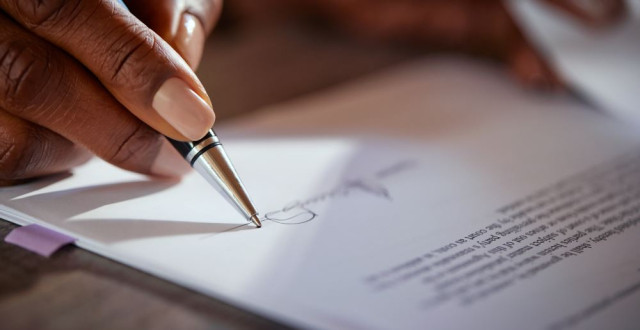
x,y
259,56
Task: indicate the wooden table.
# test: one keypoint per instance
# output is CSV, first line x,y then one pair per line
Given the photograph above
x,y
244,69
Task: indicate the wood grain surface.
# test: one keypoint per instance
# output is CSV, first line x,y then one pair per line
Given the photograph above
x,y
244,69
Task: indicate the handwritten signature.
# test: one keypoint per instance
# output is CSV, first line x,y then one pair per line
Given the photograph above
x,y
301,211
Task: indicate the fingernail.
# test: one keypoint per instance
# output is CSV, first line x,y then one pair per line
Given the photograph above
x,y
169,163
183,109
190,39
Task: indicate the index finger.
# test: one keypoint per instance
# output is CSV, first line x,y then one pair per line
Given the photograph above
x,y
139,68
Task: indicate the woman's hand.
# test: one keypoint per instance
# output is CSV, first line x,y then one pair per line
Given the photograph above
x,y
481,27
83,77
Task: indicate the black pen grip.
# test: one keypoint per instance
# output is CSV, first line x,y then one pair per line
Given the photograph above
x,y
185,147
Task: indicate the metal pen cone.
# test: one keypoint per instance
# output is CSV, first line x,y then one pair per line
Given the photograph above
x,y
210,160
256,220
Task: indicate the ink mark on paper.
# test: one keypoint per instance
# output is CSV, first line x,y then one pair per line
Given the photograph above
x,y
301,211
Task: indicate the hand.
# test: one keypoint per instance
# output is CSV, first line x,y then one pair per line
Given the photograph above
x,y
480,27
82,77
529,66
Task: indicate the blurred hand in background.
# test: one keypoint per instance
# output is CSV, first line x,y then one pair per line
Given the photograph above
x,y
478,27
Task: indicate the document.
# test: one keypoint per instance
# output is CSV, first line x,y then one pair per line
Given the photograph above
x,y
435,195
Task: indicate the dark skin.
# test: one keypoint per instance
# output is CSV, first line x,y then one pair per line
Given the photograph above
x,y
71,71
82,77
479,27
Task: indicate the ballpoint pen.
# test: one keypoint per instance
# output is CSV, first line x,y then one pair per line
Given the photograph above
x,y
210,160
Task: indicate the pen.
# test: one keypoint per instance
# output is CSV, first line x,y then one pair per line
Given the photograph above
x,y
210,160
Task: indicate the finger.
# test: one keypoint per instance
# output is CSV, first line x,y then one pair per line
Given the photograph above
x,y
530,69
592,12
525,63
184,24
43,85
139,68
28,151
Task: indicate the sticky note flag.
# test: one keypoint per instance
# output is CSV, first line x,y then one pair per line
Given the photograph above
x,y
38,239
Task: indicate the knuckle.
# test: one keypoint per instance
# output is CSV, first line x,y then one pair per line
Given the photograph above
x,y
17,153
135,146
128,51
24,74
47,14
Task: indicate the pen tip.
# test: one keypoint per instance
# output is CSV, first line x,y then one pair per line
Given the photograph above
x,y
256,221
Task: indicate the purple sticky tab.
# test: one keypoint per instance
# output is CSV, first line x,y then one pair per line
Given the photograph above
x,y
38,239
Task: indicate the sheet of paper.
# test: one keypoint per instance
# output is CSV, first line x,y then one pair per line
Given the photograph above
x,y
601,64
436,195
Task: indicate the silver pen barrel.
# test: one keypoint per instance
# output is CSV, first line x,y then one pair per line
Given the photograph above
x,y
208,158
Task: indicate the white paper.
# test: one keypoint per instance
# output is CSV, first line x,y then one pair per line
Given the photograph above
x,y
603,65
368,186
